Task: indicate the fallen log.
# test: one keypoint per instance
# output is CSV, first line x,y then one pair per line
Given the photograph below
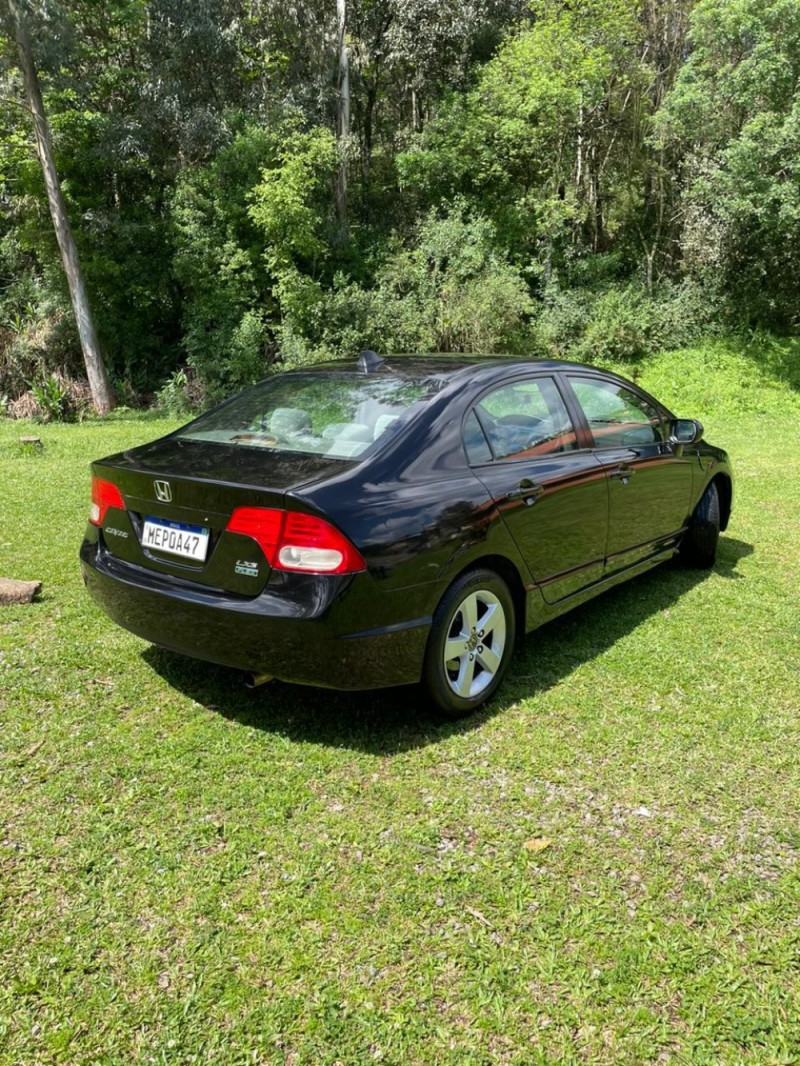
x,y
12,591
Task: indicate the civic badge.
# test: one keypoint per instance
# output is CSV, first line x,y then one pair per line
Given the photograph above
x,y
163,491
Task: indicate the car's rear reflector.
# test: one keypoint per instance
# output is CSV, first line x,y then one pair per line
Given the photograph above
x,y
104,495
298,542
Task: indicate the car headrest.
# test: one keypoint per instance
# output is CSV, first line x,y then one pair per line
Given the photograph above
x,y
383,424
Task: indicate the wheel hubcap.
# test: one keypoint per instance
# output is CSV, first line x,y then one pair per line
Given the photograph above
x,y
476,640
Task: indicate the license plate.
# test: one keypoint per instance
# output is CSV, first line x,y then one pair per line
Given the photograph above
x,y
175,538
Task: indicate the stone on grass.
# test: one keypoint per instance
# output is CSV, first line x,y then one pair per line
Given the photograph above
x,y
12,591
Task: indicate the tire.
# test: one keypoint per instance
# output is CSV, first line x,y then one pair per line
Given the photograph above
x,y
699,545
480,654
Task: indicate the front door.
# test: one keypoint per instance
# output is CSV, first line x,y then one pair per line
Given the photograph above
x,y
649,486
552,495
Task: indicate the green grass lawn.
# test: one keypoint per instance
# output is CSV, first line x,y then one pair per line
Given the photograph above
x,y
192,872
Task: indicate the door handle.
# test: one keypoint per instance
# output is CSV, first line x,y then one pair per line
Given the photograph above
x,y
527,491
623,471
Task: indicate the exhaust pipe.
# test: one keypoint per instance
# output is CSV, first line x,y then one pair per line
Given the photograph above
x,y
257,680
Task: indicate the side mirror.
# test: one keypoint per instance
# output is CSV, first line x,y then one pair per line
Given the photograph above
x,y
684,431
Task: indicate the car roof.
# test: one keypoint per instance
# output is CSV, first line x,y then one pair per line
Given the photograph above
x,y
476,369
448,366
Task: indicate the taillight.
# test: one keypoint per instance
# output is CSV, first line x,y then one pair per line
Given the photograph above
x,y
104,495
311,544
263,524
298,542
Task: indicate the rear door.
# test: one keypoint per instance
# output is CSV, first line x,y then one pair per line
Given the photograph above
x,y
552,493
649,486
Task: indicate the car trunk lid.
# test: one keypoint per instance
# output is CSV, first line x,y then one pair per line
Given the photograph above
x,y
177,524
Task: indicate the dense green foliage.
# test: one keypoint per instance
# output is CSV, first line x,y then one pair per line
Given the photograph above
x,y
594,178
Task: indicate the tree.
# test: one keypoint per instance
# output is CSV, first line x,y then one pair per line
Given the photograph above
x,y
102,394
343,119
734,118
543,143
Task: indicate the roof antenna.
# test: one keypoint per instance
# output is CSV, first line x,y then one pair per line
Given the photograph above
x,y
369,361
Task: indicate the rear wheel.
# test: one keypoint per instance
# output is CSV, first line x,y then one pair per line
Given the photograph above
x,y
699,544
471,642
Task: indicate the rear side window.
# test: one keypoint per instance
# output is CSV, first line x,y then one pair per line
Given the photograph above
x,y
337,415
477,447
617,416
525,419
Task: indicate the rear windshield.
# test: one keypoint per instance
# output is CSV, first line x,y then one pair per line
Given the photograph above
x,y
337,415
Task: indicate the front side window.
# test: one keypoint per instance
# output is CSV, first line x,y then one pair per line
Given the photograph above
x,y
336,415
617,416
525,419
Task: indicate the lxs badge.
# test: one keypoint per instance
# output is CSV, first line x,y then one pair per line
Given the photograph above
x,y
248,569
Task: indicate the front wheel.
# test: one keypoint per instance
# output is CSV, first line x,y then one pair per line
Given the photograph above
x,y
699,545
471,642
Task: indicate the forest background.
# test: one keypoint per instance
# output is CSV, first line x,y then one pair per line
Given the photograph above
x,y
255,183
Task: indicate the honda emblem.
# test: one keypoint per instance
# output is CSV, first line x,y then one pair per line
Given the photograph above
x,y
163,491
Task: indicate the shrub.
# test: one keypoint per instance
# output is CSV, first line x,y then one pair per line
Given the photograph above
x,y
561,321
622,323
452,291
56,397
51,399
182,393
621,327
36,339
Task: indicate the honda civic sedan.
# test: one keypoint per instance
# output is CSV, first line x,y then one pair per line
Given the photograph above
x,y
391,521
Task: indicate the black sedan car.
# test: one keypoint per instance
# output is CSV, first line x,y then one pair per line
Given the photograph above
x,y
390,521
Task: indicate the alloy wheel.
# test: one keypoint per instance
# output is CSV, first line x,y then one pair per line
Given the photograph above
x,y
476,640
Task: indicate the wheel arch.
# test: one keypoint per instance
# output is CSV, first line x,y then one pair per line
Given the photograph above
x,y
505,569
725,490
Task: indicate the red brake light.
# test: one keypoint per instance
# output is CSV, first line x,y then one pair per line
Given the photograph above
x,y
104,495
298,542
263,524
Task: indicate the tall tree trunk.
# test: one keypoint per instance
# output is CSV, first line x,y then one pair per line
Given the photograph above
x,y
102,395
343,125
415,123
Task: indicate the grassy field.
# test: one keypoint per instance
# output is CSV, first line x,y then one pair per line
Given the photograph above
x,y
601,868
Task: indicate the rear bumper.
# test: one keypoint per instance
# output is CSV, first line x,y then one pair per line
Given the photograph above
x,y
311,636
